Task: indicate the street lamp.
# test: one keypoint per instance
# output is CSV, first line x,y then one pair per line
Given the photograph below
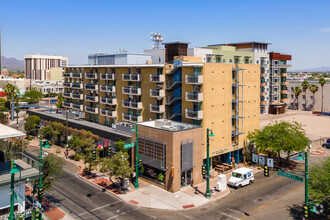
x,y
12,187
41,169
208,194
135,129
300,157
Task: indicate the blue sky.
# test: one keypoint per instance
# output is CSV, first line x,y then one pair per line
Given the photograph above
x,y
76,28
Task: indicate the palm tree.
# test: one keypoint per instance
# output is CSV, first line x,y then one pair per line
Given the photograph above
x,y
12,91
305,86
322,81
313,88
297,92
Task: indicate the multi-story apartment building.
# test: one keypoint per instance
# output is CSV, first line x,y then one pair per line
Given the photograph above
x,y
221,96
278,92
39,67
118,58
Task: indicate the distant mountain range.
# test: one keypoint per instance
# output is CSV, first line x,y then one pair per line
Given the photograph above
x,y
12,64
319,69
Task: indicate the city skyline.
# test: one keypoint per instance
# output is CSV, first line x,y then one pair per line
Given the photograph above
x,y
70,29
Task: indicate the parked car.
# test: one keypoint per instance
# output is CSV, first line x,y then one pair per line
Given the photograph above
x,y
241,177
326,144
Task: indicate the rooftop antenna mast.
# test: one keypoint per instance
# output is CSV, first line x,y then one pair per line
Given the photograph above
x,y
157,39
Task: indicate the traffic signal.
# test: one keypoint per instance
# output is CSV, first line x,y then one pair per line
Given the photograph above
x,y
40,194
94,154
204,171
305,211
140,163
36,214
266,171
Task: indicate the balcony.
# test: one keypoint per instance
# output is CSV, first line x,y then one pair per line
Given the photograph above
x,y
67,84
157,93
133,105
78,107
196,115
67,104
66,75
91,98
109,113
90,76
262,93
157,108
284,74
285,100
285,83
91,87
284,91
131,91
108,101
108,88
157,78
262,84
196,80
77,96
131,118
91,110
263,102
76,75
108,76
77,85
263,64
132,77
194,97
67,95
263,74
281,65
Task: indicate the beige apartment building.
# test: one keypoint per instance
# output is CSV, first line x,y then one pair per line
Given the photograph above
x,y
39,67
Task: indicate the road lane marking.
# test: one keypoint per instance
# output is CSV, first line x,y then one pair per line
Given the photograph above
x,y
239,212
115,216
101,207
229,216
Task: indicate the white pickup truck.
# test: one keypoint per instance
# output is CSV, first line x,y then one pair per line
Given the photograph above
x,y
241,177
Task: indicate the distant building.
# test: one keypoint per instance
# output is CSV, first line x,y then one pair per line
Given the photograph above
x,y
38,67
118,59
44,86
19,83
5,72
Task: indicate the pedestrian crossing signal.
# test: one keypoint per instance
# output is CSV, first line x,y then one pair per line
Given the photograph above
x,y
266,171
204,171
94,154
305,211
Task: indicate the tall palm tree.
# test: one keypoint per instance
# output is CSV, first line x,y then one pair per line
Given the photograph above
x,y
313,88
305,86
297,91
322,81
12,91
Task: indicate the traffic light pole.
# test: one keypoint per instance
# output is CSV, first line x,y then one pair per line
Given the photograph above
x,y
136,184
306,178
12,185
208,194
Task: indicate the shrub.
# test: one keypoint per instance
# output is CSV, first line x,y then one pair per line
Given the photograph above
x,y
76,157
58,151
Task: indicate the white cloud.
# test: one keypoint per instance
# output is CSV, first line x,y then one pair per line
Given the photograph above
x,y
325,30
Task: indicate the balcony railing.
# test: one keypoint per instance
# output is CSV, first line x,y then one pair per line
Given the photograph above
x,y
133,105
131,118
90,75
67,94
108,88
157,108
66,75
157,78
92,110
281,65
194,79
91,86
285,83
77,107
109,113
67,104
157,93
108,76
108,101
194,97
76,75
77,85
196,115
67,84
132,91
77,96
132,77
285,100
91,98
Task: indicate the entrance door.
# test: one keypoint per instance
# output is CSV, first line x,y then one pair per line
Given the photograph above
x,y
186,178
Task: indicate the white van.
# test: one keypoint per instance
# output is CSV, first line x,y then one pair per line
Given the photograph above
x,y
241,177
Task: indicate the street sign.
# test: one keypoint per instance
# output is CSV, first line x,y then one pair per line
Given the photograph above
x,y
255,158
128,145
262,160
291,176
270,162
18,198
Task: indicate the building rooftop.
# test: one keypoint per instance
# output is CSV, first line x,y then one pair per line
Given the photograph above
x,y
168,125
8,132
250,42
117,54
176,42
116,65
44,56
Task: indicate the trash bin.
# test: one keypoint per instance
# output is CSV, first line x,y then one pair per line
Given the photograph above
x,y
125,183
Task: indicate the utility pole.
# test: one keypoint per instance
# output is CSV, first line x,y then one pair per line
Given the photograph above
x,y
67,132
208,194
135,128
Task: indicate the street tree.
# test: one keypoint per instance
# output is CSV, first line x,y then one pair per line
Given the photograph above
x,y
322,81
32,96
47,132
12,146
297,91
117,166
313,88
280,136
12,92
319,182
305,86
120,145
60,100
31,124
80,144
59,130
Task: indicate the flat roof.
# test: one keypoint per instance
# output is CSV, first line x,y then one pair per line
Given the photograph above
x,y
119,65
44,56
116,54
257,42
168,125
8,132
176,42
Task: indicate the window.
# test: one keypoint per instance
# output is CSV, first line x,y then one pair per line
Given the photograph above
x,y
311,97
224,60
257,61
217,60
209,59
304,97
159,60
230,60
